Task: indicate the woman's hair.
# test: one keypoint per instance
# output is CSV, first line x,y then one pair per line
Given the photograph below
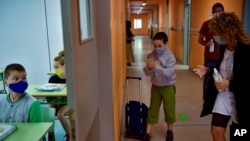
x,y
60,57
230,28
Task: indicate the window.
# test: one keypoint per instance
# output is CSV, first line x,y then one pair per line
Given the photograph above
x,y
137,23
85,19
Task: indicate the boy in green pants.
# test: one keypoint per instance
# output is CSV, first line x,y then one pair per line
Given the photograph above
x,y
160,65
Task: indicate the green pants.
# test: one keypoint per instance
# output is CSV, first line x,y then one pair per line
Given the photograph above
x,y
159,94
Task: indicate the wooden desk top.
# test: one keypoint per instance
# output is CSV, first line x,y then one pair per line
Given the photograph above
x,y
37,93
29,131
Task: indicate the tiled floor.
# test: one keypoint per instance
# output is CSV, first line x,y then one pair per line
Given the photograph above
x,y
188,99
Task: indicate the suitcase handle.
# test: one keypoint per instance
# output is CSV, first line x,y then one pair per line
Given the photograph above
x,y
139,79
132,77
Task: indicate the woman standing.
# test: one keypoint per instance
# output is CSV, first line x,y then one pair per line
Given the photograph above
x,y
234,66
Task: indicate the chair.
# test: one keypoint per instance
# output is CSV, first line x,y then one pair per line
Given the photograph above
x,y
3,91
49,116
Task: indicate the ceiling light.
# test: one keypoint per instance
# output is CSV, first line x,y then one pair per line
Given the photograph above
x,y
143,4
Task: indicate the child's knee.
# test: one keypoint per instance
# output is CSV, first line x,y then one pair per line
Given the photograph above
x,y
60,114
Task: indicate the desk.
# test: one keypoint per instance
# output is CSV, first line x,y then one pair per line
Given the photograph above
x,y
51,73
40,95
29,131
37,93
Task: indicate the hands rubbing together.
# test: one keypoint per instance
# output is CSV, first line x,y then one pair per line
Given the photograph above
x,y
150,62
202,70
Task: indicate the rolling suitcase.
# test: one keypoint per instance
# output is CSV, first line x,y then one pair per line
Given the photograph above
x,y
135,115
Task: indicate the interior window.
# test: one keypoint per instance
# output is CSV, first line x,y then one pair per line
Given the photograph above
x,y
137,23
85,19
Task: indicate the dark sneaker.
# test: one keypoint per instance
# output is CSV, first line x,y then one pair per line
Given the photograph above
x,y
170,135
146,137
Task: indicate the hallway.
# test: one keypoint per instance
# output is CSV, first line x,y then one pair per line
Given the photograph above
x,y
189,126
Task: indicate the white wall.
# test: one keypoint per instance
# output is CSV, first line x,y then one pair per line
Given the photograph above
x,y
24,38
55,33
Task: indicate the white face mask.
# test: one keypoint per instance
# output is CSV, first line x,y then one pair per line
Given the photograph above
x,y
218,40
160,50
216,14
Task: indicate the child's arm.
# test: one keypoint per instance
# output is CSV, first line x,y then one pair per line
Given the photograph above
x,y
148,69
166,69
35,112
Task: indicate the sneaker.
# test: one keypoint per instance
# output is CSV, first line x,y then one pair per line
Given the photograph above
x,y
170,135
146,137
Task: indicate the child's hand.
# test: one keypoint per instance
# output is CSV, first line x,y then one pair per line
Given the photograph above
x,y
208,44
150,63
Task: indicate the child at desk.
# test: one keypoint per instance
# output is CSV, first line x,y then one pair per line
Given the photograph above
x,y
60,77
18,106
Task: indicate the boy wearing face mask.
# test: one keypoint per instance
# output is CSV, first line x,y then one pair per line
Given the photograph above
x,y
160,66
18,106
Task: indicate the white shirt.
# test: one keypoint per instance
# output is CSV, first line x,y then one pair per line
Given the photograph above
x,y
225,103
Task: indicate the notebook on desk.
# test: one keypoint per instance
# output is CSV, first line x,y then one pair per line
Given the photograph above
x,y
51,87
6,130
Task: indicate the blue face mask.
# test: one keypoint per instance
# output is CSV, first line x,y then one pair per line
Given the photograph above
x,y
160,50
218,40
19,87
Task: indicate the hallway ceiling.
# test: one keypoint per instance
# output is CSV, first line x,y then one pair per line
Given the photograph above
x,y
135,5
